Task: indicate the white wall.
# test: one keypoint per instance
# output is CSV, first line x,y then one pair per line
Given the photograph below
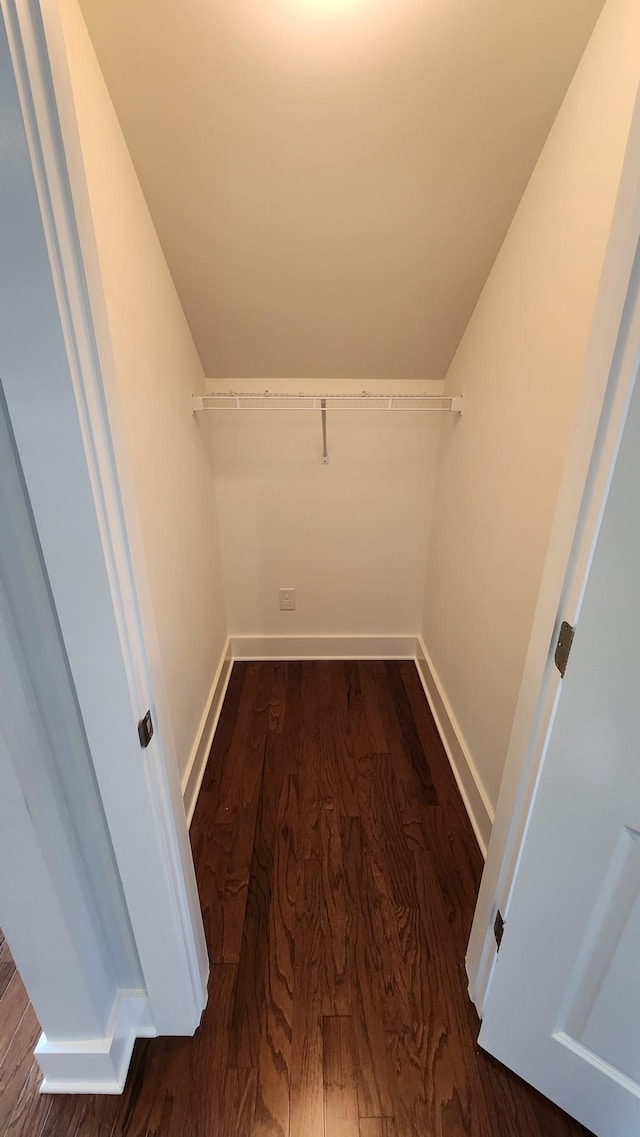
x,y
156,367
519,365
351,536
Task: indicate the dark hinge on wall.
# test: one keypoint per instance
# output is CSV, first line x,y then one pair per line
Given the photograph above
x,y
145,730
563,646
498,929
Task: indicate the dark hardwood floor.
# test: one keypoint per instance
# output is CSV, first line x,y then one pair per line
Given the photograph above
x,y
338,874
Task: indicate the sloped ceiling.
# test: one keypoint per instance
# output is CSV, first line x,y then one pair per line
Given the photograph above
x,y
331,180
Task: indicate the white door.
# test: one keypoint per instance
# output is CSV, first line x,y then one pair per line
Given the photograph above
x,y
563,1009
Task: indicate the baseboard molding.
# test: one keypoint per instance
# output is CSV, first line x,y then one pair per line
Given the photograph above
x,y
194,773
472,791
323,647
97,1065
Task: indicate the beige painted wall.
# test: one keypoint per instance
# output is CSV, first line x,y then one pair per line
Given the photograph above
x,y
519,365
351,536
156,367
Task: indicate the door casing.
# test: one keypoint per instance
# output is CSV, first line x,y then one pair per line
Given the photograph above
x,y
70,452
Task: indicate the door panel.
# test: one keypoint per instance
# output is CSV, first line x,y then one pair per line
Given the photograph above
x,y
604,1011
563,1009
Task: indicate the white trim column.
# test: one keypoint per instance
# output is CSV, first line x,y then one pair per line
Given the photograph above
x,y
89,1026
54,390
61,905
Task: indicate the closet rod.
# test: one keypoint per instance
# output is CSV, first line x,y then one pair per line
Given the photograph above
x,y
363,401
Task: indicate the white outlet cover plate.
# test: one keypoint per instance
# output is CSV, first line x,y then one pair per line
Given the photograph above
x,y
287,599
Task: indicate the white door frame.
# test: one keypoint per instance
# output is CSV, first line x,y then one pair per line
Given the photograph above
x,y
599,420
140,790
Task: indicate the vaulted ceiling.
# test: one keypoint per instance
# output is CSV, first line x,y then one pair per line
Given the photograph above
x,y
331,180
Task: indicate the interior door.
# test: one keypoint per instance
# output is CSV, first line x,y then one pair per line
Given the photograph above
x,y
563,1009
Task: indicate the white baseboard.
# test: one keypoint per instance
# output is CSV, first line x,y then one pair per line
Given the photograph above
x,y
323,647
472,791
97,1065
194,773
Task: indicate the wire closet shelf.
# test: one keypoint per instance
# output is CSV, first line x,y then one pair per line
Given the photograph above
x,y
361,401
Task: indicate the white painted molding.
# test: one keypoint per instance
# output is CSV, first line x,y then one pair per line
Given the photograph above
x,y
465,772
194,773
97,1065
169,932
323,647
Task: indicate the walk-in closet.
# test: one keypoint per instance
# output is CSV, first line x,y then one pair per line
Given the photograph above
x,y
347,294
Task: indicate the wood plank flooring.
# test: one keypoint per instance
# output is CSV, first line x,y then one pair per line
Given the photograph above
x,y
338,874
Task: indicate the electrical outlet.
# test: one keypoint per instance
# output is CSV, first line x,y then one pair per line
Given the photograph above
x,y
287,599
